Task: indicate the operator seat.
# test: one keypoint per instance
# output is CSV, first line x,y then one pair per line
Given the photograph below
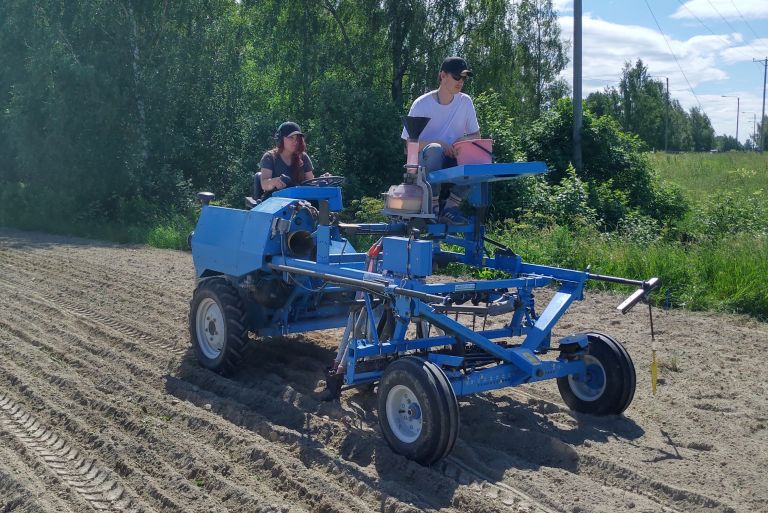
x,y
256,193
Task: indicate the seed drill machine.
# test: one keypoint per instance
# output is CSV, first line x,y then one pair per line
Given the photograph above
x,y
285,266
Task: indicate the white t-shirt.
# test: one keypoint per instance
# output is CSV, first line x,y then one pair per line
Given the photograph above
x,y
447,122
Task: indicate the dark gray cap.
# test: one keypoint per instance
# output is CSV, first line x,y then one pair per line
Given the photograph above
x,y
456,66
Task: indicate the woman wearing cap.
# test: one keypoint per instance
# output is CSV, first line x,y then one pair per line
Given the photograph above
x,y
286,164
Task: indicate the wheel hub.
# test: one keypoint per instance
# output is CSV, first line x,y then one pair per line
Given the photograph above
x,y
211,334
590,385
404,413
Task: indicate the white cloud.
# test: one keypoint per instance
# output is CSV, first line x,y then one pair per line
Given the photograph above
x,y
563,6
607,46
703,9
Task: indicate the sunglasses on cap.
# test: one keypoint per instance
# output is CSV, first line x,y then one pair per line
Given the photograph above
x,y
458,77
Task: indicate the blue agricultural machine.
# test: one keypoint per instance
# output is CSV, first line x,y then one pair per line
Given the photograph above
x,y
284,266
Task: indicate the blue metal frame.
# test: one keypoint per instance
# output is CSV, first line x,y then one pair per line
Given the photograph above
x,y
238,244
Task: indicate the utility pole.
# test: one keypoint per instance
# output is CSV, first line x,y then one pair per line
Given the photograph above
x,y
738,109
764,62
577,117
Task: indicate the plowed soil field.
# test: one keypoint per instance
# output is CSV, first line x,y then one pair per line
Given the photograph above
x,y
104,408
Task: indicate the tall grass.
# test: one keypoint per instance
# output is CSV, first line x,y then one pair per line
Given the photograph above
x,y
722,274
701,174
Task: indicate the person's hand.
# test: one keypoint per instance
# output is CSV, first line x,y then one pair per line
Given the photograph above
x,y
325,174
448,150
285,181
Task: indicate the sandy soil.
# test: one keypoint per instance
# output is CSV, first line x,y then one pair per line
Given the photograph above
x,y
103,407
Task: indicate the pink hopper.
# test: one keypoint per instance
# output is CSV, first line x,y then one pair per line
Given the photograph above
x,y
475,151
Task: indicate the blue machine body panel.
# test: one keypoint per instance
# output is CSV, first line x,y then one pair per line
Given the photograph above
x,y
237,242
407,257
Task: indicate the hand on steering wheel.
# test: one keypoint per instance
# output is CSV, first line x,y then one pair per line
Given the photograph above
x,y
325,181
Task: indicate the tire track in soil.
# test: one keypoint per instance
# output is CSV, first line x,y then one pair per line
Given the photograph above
x,y
28,486
498,491
106,408
114,419
97,486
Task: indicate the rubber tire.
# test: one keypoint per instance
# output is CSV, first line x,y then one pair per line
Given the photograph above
x,y
620,379
450,404
236,337
431,443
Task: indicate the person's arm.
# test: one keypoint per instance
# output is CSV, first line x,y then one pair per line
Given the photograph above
x,y
309,168
269,183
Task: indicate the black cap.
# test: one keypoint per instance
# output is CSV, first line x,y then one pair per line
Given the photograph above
x,y
456,66
288,128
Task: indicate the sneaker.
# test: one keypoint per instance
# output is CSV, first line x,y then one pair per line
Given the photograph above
x,y
452,216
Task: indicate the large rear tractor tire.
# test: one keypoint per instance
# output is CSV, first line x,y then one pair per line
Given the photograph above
x,y
417,414
217,325
608,386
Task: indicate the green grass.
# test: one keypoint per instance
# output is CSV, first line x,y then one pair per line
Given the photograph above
x,y
701,174
727,274
170,233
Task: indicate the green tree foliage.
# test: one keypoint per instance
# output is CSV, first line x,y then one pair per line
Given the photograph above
x,y
727,143
119,110
641,106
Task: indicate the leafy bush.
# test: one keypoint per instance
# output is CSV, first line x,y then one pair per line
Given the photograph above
x,y
617,171
727,213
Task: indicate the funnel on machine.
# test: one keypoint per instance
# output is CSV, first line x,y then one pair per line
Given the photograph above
x,y
414,125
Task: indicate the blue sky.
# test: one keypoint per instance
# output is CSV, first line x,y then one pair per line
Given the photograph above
x,y
714,42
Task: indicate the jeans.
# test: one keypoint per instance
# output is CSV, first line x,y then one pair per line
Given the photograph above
x,y
433,158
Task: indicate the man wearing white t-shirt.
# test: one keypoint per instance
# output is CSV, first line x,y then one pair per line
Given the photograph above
x,y
452,118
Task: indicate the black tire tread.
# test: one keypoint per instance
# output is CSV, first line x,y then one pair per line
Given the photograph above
x,y
611,404
430,449
235,317
451,405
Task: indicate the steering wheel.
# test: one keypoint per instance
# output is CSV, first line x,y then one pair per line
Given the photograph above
x,y
325,181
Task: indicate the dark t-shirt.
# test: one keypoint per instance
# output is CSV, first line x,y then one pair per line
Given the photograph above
x,y
279,167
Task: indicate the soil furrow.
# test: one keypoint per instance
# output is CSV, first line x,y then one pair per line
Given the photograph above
x,y
94,346
123,421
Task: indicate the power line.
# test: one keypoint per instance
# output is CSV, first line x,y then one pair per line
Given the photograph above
x,y
673,54
730,43
721,16
757,38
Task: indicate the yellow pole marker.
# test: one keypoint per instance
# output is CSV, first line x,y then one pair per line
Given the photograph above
x,y
654,367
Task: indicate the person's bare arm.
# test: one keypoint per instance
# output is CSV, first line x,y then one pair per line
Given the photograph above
x,y
268,183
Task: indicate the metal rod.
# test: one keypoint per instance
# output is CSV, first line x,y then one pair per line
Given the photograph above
x,y
495,243
615,279
377,288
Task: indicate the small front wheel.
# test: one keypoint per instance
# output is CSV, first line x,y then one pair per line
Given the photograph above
x,y
217,325
417,414
607,387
